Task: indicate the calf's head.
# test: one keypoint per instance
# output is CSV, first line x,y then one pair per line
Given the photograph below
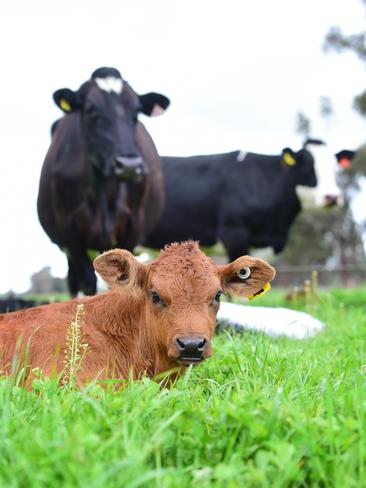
x,y
109,108
181,293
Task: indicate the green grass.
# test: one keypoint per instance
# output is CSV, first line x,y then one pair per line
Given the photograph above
x,y
260,412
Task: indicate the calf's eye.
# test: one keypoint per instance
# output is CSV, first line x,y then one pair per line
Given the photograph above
x,y
155,297
244,273
218,296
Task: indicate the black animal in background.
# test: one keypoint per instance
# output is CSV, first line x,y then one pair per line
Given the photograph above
x,y
101,182
12,303
241,199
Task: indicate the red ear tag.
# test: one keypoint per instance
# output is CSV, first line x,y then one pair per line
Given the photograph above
x,y
345,163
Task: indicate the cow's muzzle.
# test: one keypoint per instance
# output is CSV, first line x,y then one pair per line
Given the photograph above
x,y
192,349
129,169
331,201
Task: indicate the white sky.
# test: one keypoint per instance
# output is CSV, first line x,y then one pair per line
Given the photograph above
x,y
236,71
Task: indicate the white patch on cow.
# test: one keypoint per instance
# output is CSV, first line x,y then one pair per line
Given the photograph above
x,y
325,169
241,156
272,321
357,199
110,84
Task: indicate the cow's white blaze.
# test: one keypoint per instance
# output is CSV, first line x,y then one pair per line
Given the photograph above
x,y
110,84
325,169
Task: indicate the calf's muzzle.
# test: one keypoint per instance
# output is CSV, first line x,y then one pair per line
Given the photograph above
x,y
192,349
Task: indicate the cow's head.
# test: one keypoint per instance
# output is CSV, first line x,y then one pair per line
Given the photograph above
x,y
345,158
181,290
315,169
301,165
109,109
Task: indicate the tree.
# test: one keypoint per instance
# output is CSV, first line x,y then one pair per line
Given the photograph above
x,y
326,107
356,43
303,124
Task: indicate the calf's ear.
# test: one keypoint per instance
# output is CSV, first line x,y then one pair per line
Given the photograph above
x,y
119,268
246,276
154,103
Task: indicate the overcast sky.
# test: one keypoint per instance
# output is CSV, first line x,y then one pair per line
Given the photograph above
x,y
236,71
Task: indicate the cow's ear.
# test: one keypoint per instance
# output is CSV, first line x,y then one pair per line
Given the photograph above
x,y
288,157
153,104
246,276
67,100
120,268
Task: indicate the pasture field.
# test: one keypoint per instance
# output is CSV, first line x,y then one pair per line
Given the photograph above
x,y
261,412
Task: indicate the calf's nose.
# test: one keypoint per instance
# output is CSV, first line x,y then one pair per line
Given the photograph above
x,y
191,347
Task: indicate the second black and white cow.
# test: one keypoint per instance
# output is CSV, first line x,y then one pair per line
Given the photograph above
x,y
242,199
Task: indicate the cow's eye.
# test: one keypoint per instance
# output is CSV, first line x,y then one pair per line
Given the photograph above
x,y
218,296
155,297
244,273
91,112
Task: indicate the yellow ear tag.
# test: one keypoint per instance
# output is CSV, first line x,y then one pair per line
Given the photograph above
x,y
288,159
261,292
64,104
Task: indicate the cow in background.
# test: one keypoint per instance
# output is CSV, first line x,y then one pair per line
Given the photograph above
x,y
12,303
344,158
101,182
241,199
352,175
158,316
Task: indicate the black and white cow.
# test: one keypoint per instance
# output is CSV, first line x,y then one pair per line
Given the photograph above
x,y
356,192
101,182
241,199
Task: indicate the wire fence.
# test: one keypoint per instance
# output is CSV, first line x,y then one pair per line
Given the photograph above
x,y
344,276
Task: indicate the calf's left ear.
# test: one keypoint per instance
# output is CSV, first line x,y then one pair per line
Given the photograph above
x,y
246,276
153,104
120,268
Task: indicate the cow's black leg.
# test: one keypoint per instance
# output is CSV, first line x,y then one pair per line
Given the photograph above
x,y
72,278
87,277
81,275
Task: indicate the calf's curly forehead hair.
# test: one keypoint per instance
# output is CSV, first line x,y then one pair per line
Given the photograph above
x,y
184,255
183,267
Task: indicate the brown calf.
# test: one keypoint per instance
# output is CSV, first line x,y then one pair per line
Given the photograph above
x,y
156,317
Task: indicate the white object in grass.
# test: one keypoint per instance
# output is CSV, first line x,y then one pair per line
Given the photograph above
x,y
273,321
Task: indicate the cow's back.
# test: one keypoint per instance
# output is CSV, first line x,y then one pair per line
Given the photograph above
x,y
193,189
210,198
